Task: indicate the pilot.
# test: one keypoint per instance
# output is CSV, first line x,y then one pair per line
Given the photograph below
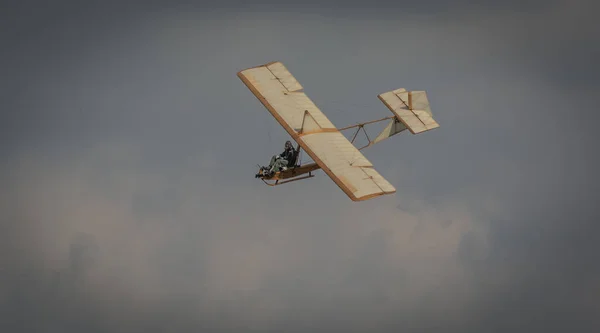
x,y
281,161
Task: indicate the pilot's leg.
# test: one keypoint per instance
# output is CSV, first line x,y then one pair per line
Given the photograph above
x,y
273,160
279,165
283,164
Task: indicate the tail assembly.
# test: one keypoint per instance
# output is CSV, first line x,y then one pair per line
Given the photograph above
x,y
411,108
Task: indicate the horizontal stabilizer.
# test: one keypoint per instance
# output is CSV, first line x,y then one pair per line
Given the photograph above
x,y
411,108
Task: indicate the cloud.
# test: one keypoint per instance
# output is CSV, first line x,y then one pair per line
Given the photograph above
x,y
87,228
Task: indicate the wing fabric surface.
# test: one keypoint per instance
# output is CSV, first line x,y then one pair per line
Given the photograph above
x,y
411,108
282,95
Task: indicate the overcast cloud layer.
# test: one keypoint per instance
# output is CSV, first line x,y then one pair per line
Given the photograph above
x,y
129,146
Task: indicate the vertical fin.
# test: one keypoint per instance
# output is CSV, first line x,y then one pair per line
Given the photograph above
x,y
393,128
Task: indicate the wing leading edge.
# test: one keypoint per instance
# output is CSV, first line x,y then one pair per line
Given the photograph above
x,y
278,90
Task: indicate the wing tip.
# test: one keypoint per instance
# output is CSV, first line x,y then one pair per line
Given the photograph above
x,y
241,72
370,196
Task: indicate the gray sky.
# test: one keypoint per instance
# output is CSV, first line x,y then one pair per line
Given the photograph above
x,y
129,147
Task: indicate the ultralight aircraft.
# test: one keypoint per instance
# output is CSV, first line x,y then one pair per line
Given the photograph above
x,y
283,96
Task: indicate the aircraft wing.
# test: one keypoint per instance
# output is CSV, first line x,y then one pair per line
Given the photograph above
x,y
411,108
282,95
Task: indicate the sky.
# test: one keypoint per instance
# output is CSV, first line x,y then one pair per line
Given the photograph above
x,y
129,148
